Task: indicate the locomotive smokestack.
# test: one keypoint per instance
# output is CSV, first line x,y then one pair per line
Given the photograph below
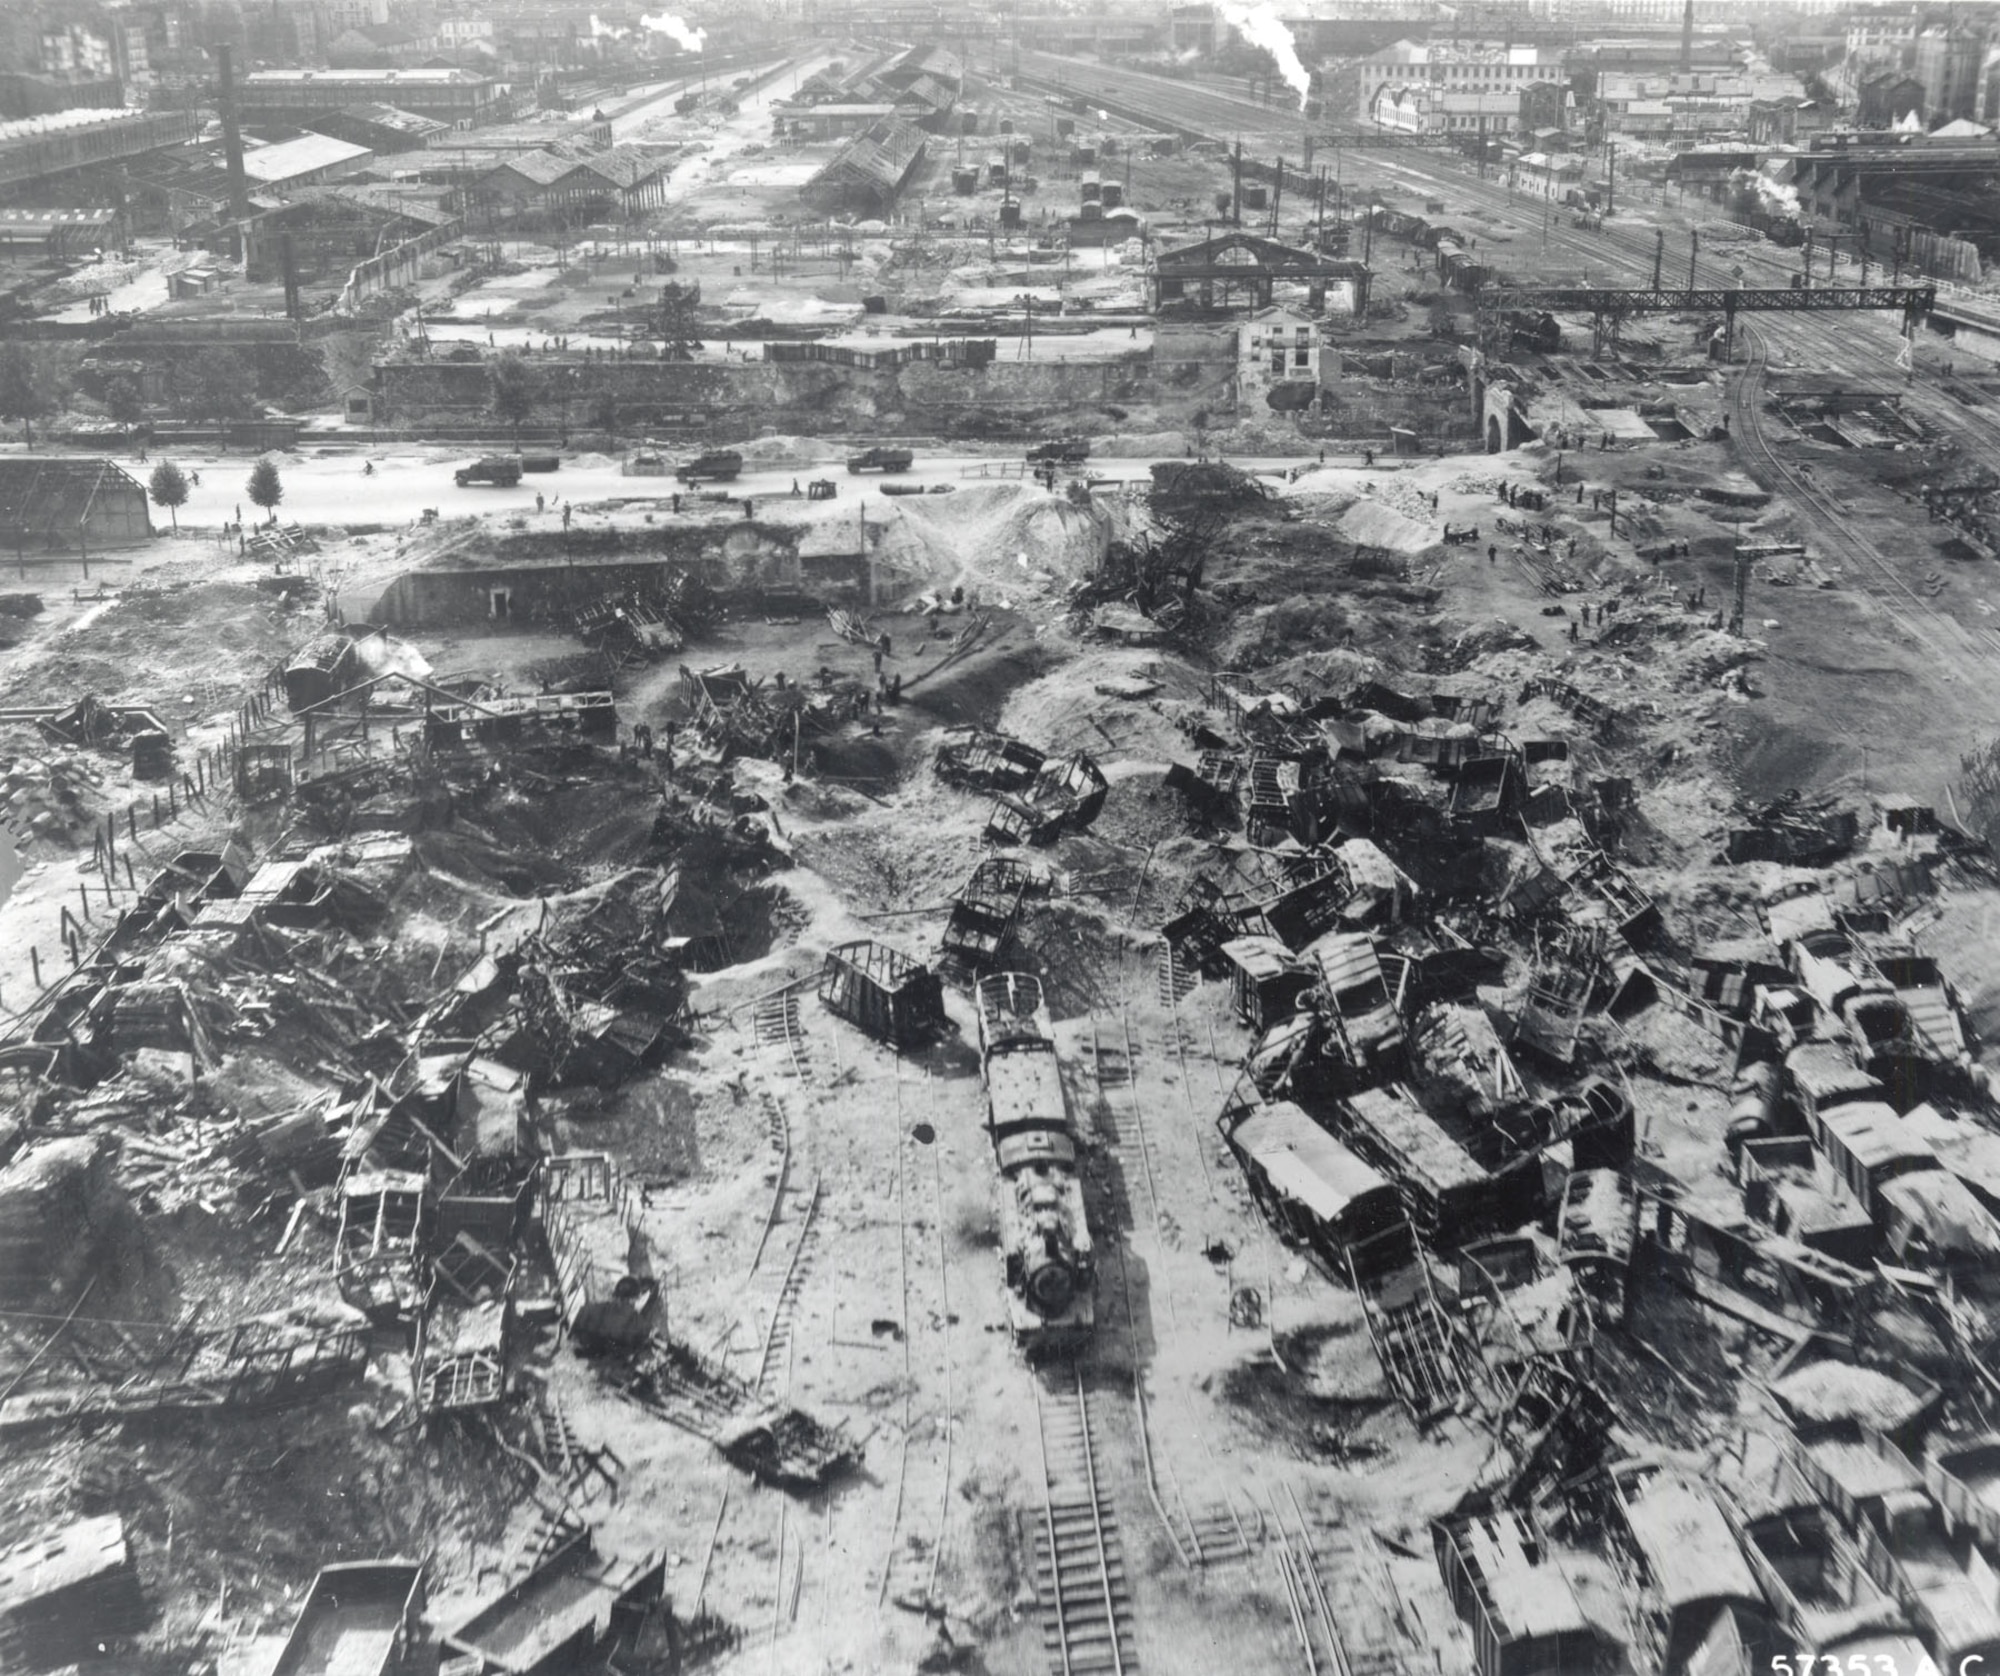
x,y
232,136
1687,36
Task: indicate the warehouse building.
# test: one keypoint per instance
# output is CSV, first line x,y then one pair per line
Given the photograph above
x,y
445,95
70,505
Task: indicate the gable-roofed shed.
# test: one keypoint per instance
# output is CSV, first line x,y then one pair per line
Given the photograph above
x,y
68,504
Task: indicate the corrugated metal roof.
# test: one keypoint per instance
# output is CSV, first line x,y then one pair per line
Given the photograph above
x,y
308,154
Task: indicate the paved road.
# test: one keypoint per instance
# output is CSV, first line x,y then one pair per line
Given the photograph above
x,y
333,490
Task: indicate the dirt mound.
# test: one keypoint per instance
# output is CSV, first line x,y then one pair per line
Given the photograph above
x,y
1009,536
1207,483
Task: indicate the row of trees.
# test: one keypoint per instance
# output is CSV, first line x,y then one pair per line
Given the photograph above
x,y
169,487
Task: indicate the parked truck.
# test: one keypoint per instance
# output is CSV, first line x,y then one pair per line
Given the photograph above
x,y
718,465
503,471
1066,451
881,459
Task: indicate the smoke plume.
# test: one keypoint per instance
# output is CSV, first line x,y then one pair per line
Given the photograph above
x,y
690,39
606,31
1262,27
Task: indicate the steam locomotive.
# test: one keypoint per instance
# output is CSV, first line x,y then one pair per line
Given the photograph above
x,y
1044,1236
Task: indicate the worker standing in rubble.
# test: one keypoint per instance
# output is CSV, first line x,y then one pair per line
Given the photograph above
x,y
565,517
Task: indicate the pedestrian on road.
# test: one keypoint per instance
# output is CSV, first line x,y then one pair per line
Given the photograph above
x,y
795,488
540,501
565,516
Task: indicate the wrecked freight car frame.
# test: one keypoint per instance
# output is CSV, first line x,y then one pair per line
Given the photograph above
x,y
989,762
984,913
882,991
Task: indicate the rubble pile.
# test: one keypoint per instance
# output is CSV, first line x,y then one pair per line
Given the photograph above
x,y
1453,984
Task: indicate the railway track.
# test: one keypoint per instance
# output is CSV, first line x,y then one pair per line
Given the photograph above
x,y
1216,113
1209,1532
1080,1581
1938,633
776,1356
924,1462
777,1020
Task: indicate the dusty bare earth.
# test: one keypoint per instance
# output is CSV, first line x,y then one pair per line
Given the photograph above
x,y
877,1281
823,1222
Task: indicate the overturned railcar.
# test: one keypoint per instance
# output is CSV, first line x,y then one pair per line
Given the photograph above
x,y
1045,1239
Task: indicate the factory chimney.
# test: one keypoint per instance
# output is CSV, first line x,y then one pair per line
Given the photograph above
x,y
1687,36
232,137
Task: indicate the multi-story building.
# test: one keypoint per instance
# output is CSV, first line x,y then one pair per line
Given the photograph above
x,y
1948,60
1544,105
1880,36
355,14
1698,105
1462,82
1416,109
1889,99
449,95
1192,29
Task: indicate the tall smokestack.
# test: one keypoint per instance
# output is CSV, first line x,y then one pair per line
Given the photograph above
x,y
232,137
1687,37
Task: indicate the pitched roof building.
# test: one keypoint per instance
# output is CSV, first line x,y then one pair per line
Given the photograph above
x,y
58,504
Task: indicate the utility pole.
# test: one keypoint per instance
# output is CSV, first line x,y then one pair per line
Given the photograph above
x,y
1277,194
1236,185
1610,174
1659,254
1694,250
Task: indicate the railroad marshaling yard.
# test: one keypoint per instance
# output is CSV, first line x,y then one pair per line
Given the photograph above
x,y
966,882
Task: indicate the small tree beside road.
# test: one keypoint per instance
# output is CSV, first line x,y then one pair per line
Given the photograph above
x,y
516,389
169,488
25,392
264,488
123,401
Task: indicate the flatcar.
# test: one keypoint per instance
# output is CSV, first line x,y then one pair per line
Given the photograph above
x,y
1045,1240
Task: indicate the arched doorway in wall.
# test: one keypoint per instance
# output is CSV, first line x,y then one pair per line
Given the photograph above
x,y
1495,442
